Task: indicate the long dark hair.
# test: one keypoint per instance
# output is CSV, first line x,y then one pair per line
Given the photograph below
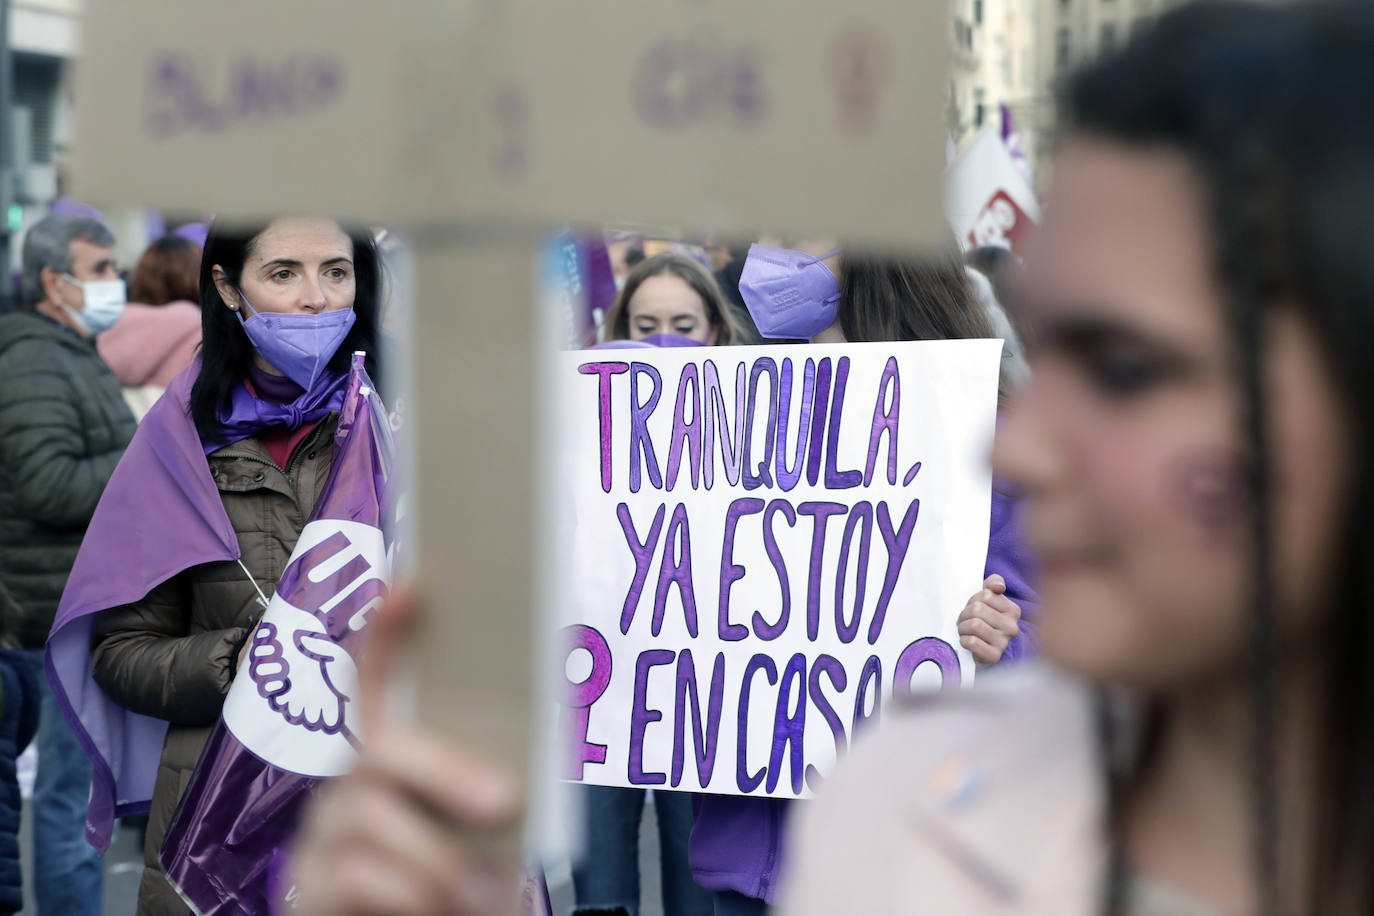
x,y
1271,104
226,353
909,298
695,275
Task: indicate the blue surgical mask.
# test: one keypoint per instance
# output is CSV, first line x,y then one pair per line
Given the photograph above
x,y
790,294
104,303
299,346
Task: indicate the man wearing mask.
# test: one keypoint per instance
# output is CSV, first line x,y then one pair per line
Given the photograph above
x,y
63,427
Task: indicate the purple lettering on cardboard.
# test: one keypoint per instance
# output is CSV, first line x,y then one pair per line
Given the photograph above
x,y
833,669
885,421
821,401
641,715
762,629
789,477
676,569
256,89
897,542
680,82
714,409
730,572
789,727
603,372
685,432
748,782
860,514
643,554
578,699
870,679
705,736
820,513
763,366
927,649
640,443
836,479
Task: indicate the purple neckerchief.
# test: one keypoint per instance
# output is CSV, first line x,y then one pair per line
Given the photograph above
x,y
161,513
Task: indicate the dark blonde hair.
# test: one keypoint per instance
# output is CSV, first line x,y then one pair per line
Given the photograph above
x,y
718,314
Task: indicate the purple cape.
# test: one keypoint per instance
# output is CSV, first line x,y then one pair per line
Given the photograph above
x,y
161,513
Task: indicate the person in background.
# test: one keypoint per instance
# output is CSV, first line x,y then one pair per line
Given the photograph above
x,y
728,261
286,304
814,290
1192,448
63,428
1002,268
671,293
668,300
158,332
21,699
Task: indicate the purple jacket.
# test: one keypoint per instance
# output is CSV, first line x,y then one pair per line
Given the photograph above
x,y
736,842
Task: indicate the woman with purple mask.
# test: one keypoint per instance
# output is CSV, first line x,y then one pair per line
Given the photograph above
x,y
284,306
815,291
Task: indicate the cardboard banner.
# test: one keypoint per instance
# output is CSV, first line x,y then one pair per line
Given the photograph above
x,y
987,197
804,117
760,546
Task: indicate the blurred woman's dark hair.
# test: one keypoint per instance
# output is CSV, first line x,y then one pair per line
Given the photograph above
x,y
691,272
227,354
168,271
909,298
1271,104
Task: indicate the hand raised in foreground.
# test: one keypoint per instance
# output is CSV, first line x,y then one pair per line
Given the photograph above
x,y
386,839
988,622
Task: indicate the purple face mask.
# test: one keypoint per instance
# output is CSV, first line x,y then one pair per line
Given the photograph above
x,y
790,294
298,346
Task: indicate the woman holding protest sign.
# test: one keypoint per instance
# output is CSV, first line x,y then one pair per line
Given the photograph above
x,y
239,449
813,290
671,294
1191,448
668,300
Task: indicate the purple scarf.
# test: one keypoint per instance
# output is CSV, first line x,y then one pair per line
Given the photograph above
x,y
161,513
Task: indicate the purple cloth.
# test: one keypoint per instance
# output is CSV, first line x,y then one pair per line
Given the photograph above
x,y
290,720
737,841
161,513
194,232
75,208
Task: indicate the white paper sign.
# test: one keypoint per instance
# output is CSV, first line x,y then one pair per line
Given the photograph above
x,y
736,604
987,198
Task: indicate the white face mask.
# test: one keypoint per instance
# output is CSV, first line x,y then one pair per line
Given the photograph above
x,y
104,304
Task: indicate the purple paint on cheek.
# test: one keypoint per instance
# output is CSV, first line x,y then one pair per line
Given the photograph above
x,y
1209,490
603,372
578,699
928,649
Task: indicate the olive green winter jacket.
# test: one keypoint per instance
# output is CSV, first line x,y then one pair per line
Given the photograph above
x,y
63,427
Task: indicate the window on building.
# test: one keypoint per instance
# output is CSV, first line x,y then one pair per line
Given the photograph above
x,y
977,12
1107,42
1062,49
979,107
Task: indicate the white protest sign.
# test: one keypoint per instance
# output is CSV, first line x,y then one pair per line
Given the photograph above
x,y
760,546
798,116
987,198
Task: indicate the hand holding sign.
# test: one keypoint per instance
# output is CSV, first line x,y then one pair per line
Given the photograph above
x,y
385,838
988,623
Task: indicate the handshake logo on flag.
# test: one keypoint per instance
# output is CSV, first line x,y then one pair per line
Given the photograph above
x,y
291,703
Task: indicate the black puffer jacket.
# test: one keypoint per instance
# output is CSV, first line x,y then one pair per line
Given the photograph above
x,y
63,426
